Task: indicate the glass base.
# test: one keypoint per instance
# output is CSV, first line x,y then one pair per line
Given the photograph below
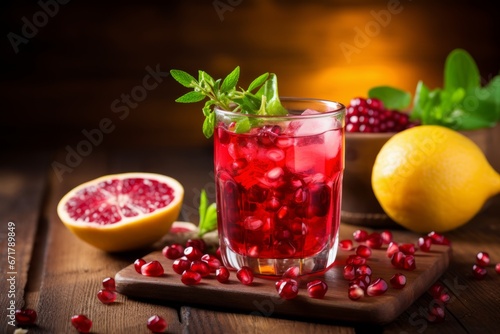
x,y
277,267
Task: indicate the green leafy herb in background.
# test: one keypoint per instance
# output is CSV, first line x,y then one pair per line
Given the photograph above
x,y
208,215
462,104
260,98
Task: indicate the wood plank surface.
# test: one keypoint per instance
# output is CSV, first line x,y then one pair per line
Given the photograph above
x,y
69,271
22,191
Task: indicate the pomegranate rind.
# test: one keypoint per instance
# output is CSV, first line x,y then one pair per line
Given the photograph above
x,y
129,233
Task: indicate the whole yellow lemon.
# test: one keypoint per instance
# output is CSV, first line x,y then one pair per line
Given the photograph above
x,y
431,178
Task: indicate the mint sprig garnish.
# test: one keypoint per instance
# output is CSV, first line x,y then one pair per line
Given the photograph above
x,y
462,104
260,98
208,215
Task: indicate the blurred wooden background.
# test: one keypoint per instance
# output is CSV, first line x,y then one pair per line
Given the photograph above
x,y
86,56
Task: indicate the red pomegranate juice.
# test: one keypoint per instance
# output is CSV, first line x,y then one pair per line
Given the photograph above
x,y
279,194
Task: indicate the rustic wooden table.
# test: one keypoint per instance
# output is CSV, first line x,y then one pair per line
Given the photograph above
x,y
58,275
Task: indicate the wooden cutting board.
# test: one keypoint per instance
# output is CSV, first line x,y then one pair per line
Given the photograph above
x,y
261,297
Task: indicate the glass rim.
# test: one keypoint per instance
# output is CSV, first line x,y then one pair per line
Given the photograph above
x,y
337,109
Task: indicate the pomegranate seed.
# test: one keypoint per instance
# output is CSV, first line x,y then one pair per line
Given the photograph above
x,y
193,253
356,260
190,277
349,272
424,244
197,243
153,268
483,259
445,298
218,254
397,259
200,267
478,272
355,292
436,290
362,280
346,244
157,324
138,265
287,288
436,314
497,268
386,237
364,270
398,281
374,240
317,289
360,235
392,249
409,263
212,261
245,275
363,251
26,317
222,274
439,239
109,284
173,251
106,296
181,265
377,288
292,272
81,323
407,249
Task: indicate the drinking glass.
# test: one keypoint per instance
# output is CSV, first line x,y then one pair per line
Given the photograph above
x,y
279,185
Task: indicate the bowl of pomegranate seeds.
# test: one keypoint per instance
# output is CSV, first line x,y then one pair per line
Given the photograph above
x,y
369,125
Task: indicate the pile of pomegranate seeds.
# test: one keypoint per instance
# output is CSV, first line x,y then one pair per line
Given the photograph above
x,y
26,317
402,256
369,115
192,263
81,323
157,324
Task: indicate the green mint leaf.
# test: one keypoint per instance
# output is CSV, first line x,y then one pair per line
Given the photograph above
x,y
249,103
242,125
258,82
460,71
492,89
191,97
473,121
208,125
205,78
392,98
419,101
210,221
202,209
184,78
208,215
207,108
273,104
231,80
